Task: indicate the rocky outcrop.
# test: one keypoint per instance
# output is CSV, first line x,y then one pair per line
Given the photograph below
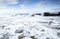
x,y
53,14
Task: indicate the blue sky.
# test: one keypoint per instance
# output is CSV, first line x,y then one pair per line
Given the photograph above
x,y
29,6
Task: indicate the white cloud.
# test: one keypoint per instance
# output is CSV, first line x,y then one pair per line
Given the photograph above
x,y
7,2
4,5
11,1
21,9
39,7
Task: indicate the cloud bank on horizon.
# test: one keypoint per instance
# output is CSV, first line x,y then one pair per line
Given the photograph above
x,y
29,6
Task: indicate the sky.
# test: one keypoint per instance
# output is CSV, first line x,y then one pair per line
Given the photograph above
x,y
29,6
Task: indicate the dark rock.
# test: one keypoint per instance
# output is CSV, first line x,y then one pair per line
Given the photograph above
x,y
42,30
33,37
47,38
32,15
20,37
58,34
52,19
19,31
36,14
3,26
58,13
53,14
46,13
50,22
7,28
